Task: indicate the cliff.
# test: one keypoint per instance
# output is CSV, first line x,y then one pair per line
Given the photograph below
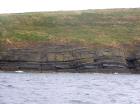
x,y
75,41
70,58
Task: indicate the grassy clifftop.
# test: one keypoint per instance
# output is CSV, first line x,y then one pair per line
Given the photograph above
x,y
105,27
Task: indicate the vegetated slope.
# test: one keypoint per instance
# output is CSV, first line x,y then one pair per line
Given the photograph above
x,y
105,27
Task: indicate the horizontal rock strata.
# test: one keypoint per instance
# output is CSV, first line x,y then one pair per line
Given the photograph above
x,y
68,58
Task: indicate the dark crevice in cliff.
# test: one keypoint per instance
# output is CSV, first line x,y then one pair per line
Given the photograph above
x,y
131,64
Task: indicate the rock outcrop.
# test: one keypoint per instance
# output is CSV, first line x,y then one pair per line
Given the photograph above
x,y
70,58
133,60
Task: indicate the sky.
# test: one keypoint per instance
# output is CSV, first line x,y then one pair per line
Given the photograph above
x,y
17,6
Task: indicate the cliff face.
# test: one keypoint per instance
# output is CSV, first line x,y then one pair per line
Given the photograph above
x,y
77,41
71,58
133,60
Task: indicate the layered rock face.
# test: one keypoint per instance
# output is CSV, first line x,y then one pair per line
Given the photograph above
x,y
70,58
133,60
111,59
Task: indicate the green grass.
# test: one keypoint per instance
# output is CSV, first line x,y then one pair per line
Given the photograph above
x,y
113,26
29,37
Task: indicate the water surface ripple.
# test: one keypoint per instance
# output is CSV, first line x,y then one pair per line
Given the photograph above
x,y
69,88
